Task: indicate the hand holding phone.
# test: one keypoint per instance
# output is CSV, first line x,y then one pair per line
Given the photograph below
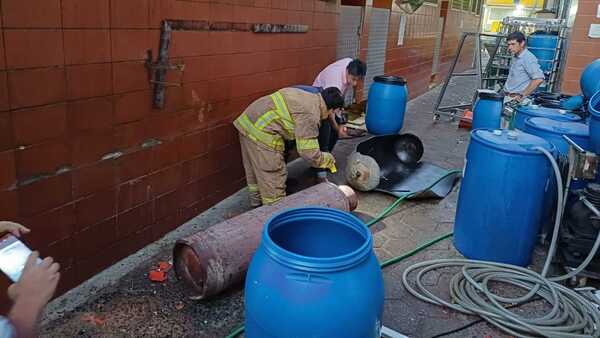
x,y
30,294
37,282
13,256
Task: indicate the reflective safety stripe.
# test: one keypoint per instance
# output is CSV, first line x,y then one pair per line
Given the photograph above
x,y
266,119
252,187
274,142
281,115
284,114
307,144
268,200
281,106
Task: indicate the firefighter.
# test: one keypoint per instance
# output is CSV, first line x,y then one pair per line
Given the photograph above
x,y
265,126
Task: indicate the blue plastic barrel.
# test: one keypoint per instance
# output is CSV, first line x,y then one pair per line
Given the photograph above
x,y
522,113
543,46
589,79
594,109
487,110
501,196
314,274
386,105
553,131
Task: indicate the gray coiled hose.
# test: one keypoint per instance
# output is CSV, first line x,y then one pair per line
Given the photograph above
x,y
572,315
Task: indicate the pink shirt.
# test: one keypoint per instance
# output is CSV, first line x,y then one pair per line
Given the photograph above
x,y
334,75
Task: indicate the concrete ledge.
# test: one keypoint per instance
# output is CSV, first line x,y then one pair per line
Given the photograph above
x,y
236,203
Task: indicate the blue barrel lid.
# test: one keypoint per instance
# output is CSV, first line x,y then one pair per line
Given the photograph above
x,y
558,127
513,141
390,79
490,94
539,111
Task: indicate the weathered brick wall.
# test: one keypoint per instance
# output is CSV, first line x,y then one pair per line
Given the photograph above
x,y
73,88
456,23
414,59
582,49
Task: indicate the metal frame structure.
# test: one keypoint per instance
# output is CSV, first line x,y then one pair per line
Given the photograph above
x,y
499,59
453,110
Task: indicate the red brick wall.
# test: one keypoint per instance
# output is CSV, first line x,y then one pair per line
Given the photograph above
x,y
73,88
414,59
456,23
582,49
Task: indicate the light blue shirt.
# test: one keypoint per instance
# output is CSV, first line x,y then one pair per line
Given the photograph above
x,y
6,328
523,68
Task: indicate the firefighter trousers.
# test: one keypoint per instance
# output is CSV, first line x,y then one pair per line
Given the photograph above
x,y
266,173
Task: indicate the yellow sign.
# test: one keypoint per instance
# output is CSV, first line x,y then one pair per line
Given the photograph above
x,y
525,3
496,25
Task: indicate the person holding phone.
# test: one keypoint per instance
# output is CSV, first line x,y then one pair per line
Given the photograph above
x,y
30,293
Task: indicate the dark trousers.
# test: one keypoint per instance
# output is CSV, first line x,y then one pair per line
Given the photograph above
x,y
328,137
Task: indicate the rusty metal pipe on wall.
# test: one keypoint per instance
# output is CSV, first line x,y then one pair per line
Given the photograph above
x,y
212,260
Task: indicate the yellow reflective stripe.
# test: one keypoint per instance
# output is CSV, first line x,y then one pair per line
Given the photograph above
x,y
281,106
274,142
268,201
266,119
307,144
286,119
252,187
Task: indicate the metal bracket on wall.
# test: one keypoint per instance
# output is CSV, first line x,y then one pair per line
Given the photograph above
x,y
155,67
158,70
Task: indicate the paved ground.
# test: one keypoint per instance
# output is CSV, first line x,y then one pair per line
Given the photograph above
x,y
132,306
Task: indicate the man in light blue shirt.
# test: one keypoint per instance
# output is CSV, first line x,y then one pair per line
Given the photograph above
x,y
525,74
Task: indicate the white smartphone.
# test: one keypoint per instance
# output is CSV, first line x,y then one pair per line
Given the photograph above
x,y
13,256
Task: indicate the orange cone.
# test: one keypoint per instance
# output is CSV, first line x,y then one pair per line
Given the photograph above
x,y
466,120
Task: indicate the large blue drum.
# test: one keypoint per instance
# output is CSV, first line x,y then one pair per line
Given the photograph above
x,y
589,79
594,109
314,275
386,105
522,113
501,197
553,131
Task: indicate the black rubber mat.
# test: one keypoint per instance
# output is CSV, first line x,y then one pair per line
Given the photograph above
x,y
402,172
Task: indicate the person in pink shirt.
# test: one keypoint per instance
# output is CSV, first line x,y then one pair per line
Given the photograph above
x,y
343,74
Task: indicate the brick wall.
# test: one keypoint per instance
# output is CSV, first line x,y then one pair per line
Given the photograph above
x,y
73,88
582,49
456,23
414,59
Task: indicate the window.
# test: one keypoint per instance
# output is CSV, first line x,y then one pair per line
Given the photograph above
x,y
476,6
457,4
467,5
